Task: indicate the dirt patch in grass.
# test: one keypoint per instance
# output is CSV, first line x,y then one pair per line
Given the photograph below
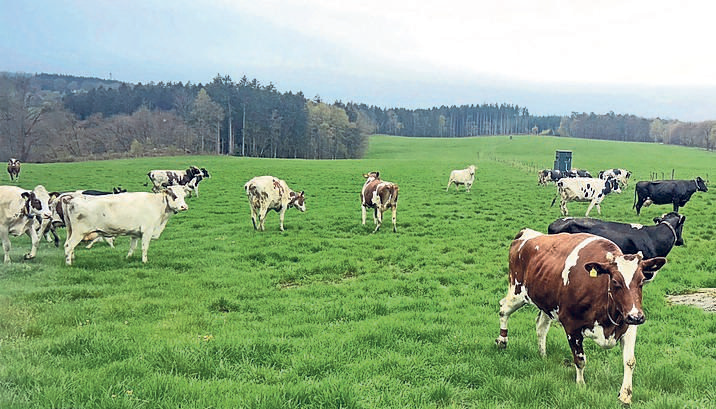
x,y
704,298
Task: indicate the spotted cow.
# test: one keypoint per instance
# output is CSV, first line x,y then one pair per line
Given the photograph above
x,y
270,193
584,190
379,196
621,175
587,284
13,168
191,177
18,209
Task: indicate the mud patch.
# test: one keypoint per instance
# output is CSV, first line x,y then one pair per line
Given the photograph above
x,y
704,298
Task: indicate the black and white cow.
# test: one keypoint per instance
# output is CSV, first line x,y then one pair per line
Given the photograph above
x,y
13,168
190,178
550,175
584,190
621,175
652,241
579,173
18,209
676,192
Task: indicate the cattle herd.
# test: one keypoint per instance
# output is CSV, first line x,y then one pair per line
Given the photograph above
x,y
585,273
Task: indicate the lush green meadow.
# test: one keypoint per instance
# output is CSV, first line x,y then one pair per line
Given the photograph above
x,y
328,315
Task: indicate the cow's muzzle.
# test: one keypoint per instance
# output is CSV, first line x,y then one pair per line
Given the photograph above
x,y
635,319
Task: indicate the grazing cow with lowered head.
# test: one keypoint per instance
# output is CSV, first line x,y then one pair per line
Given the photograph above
x,y
190,177
621,175
676,192
584,190
135,214
269,193
652,241
579,173
553,175
587,284
379,196
13,168
462,177
18,209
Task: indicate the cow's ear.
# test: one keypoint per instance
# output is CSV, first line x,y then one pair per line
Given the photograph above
x,y
25,195
54,195
301,194
595,269
651,266
657,220
377,175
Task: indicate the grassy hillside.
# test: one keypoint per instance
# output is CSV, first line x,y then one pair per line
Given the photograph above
x,y
327,315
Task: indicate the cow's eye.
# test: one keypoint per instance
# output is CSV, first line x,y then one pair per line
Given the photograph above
x,y
616,285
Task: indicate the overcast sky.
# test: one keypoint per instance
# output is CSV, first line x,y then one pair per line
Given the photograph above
x,y
646,57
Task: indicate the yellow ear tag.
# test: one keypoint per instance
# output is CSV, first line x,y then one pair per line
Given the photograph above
x,y
592,272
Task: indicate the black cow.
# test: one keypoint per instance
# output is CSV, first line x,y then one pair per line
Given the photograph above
x,y
676,192
652,241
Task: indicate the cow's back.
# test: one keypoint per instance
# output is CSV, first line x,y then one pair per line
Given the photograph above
x,y
114,214
369,188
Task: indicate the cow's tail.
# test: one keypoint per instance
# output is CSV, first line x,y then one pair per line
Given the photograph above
x,y
633,206
553,200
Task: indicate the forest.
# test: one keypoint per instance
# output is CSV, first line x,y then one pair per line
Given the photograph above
x,y
51,118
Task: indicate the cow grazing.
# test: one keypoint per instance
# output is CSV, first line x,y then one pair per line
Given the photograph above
x,y
190,177
136,214
269,193
676,192
18,209
579,173
652,241
587,284
584,190
462,177
379,196
553,175
621,175
13,168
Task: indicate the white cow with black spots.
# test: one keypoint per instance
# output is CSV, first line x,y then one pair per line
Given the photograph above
x,y
584,190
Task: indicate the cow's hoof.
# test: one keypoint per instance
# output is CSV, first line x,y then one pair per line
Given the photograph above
x,y
28,256
501,342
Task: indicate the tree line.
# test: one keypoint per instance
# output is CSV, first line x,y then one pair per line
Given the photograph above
x,y
49,117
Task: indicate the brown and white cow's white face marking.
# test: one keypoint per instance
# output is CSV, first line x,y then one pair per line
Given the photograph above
x,y
175,198
298,201
627,274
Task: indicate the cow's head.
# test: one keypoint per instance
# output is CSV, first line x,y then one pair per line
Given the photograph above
x,y
472,169
612,185
627,274
175,196
676,221
205,173
39,196
371,176
298,201
701,185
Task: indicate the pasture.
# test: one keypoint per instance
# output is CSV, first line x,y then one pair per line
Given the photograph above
x,y
328,315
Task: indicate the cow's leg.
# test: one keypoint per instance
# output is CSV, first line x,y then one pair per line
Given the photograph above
x,y
628,341
395,218
132,245
575,343
4,235
262,217
638,205
362,214
543,323
146,239
253,217
93,241
512,302
196,190
563,207
676,206
589,209
448,186
70,243
378,219
35,239
110,241
468,186
280,216
55,237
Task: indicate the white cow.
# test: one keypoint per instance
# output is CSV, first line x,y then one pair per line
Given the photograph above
x,y
269,193
133,214
621,175
462,177
18,209
584,190
48,227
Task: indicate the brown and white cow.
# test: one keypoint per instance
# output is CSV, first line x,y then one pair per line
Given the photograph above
x,y
13,168
379,196
190,177
584,282
135,214
270,193
462,177
18,209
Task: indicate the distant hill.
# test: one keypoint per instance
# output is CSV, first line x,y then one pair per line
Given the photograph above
x,y
67,84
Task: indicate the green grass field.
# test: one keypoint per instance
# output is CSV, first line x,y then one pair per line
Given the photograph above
x,y
328,315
